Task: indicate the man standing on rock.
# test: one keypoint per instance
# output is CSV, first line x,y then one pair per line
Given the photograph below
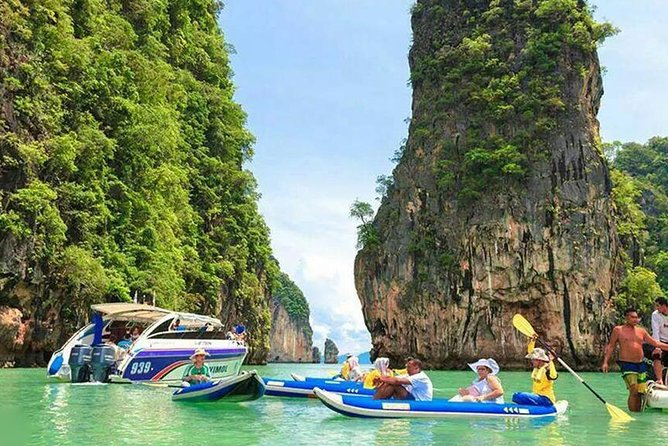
x,y
630,338
414,386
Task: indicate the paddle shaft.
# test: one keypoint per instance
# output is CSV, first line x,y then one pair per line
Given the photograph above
x,y
567,367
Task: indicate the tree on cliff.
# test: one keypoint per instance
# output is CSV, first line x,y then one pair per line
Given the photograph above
x,y
640,191
121,164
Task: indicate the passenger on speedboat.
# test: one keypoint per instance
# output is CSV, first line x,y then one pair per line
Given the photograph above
x,y
126,342
486,387
543,375
630,338
414,386
658,357
355,371
136,332
119,353
198,372
381,367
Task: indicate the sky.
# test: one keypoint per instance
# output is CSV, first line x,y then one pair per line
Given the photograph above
x,y
325,87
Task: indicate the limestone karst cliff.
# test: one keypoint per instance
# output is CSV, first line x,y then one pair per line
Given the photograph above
x,y
500,202
289,341
331,352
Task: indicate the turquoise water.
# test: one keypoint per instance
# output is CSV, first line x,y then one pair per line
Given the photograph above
x,y
37,412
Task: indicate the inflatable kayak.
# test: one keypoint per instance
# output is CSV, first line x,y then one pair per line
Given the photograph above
x,y
657,398
359,406
246,386
297,377
304,389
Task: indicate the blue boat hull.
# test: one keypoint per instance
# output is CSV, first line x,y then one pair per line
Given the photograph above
x,y
359,406
304,389
246,386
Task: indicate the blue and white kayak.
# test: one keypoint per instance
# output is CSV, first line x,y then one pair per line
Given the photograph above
x,y
304,389
297,377
247,386
358,406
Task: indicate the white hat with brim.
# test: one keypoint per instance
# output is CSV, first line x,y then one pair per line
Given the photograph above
x,y
489,363
199,351
539,354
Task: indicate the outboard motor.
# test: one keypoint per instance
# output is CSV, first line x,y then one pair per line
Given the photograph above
x,y
80,357
104,360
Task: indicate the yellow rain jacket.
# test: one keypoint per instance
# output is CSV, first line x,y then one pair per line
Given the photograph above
x,y
373,374
543,378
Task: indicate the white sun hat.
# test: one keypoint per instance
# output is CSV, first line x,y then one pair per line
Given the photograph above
x,y
489,363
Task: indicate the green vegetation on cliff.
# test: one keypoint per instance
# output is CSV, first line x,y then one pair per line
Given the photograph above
x,y
505,72
292,299
121,160
640,191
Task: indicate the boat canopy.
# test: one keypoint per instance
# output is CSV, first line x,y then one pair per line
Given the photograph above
x,y
131,312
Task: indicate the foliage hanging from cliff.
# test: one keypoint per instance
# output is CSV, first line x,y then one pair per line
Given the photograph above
x,y
640,192
121,154
292,299
367,234
502,71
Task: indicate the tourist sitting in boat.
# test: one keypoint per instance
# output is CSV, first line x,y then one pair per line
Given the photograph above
x,y
354,370
198,372
414,386
136,332
176,325
119,353
486,387
126,342
381,367
543,375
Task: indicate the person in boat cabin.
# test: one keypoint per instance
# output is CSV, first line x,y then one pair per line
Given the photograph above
x,y
176,325
630,339
135,333
543,375
354,370
230,335
414,386
486,388
381,367
197,372
658,357
119,353
126,342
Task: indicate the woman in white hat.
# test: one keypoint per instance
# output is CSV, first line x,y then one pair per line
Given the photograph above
x,y
197,372
486,388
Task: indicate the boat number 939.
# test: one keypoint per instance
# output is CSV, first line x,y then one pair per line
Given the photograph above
x,y
140,367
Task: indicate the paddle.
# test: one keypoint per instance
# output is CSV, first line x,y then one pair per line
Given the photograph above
x,y
525,328
159,384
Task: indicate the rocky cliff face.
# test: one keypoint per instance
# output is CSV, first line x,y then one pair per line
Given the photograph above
x,y
501,201
331,352
289,340
315,355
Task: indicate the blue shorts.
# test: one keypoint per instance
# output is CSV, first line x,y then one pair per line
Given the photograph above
x,y
531,399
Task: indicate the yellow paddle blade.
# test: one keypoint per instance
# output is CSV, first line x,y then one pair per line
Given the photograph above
x,y
523,325
618,414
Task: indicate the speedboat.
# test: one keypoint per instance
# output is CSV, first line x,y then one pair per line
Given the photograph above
x,y
161,352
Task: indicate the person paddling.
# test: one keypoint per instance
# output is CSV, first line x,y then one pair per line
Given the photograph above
x,y
543,375
630,339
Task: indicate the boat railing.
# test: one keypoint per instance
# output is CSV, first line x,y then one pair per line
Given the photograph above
x,y
189,334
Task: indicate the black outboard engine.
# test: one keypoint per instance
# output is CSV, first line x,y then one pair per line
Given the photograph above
x,y
104,361
80,357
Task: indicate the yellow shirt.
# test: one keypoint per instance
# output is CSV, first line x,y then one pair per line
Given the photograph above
x,y
543,378
373,374
345,370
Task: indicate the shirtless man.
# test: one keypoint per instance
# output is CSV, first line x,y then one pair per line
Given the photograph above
x,y
630,338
